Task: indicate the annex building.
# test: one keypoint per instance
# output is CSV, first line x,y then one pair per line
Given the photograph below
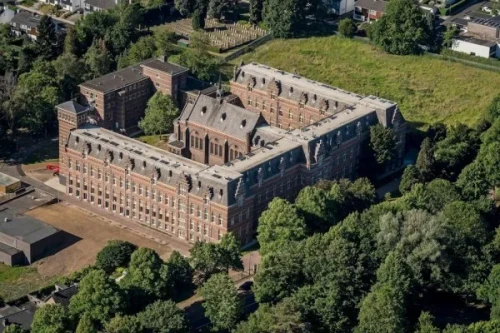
x,y
229,155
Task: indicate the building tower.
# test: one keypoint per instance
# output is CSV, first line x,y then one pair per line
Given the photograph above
x,y
71,115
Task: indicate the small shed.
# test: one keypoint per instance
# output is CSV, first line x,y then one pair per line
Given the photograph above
x,y
8,184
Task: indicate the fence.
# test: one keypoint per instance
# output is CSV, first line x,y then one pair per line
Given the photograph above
x,y
249,47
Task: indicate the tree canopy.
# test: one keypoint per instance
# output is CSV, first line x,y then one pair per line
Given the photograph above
x,y
160,114
402,29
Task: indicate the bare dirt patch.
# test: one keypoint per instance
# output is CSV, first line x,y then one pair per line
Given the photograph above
x,y
93,233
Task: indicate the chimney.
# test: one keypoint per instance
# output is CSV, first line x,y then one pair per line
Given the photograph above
x,y
163,58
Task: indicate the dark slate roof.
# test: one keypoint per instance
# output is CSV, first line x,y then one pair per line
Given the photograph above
x,y
220,116
116,80
29,19
129,75
64,296
23,227
103,4
197,86
72,106
24,318
490,21
296,88
8,310
164,66
377,5
26,18
477,41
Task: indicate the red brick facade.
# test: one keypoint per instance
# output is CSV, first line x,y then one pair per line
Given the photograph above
x,y
228,162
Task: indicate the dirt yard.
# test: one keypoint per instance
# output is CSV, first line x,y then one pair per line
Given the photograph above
x,y
91,235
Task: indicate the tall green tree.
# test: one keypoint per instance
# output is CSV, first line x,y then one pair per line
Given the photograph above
x,y
279,225
493,110
143,49
124,324
256,8
425,324
383,143
284,317
208,259
382,311
221,302
163,317
285,18
425,160
180,271
35,96
185,7
411,176
473,181
489,157
316,207
490,291
457,150
115,254
160,115
52,318
418,237
198,20
402,28
218,8
86,325
450,33
280,274
98,59
46,40
229,247
70,73
71,41
347,28
98,296
145,276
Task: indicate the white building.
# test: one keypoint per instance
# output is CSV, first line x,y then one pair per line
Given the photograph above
x,y
339,7
475,47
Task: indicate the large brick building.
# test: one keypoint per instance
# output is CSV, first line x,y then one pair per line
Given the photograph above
x,y
225,161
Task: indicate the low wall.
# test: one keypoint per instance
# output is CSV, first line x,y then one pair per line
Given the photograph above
x,y
249,47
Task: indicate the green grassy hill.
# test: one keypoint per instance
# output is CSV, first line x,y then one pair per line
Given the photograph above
x,y
427,89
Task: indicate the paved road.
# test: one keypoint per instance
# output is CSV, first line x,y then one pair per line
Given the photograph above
x,y
32,10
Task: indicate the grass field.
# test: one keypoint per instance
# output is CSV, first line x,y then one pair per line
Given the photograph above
x,y
426,88
16,282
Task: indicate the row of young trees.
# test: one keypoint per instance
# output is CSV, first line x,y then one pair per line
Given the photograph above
x,y
335,260
142,300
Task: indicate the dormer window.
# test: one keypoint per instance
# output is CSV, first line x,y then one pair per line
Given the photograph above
x,y
144,164
290,92
262,82
221,193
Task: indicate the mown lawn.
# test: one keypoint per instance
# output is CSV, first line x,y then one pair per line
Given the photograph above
x,y
16,282
426,88
155,140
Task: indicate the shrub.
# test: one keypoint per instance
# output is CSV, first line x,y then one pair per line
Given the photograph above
x,y
116,254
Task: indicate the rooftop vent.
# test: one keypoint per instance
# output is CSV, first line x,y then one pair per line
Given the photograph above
x,y
203,110
243,123
223,117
